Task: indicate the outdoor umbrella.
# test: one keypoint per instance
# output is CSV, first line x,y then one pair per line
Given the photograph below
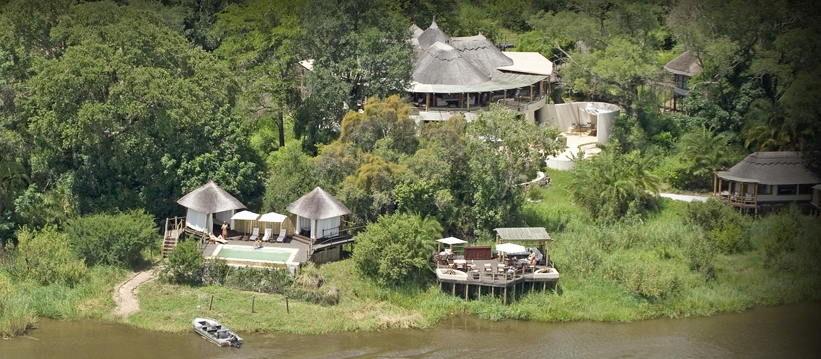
x,y
510,248
272,217
451,241
245,216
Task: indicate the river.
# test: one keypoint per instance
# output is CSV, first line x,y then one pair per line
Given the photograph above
x,y
792,331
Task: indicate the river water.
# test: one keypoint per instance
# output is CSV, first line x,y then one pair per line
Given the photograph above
x,y
792,331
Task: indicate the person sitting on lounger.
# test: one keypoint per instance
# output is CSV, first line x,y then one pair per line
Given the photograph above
x,y
258,243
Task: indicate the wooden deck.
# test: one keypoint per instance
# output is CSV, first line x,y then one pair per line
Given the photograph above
x,y
473,284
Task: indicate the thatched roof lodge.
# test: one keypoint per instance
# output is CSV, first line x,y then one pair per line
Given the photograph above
x,y
766,178
319,214
683,68
206,202
468,73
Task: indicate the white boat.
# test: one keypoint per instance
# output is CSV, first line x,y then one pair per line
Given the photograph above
x,y
212,330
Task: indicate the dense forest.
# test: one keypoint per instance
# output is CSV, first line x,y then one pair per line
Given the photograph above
x,y
117,105
112,110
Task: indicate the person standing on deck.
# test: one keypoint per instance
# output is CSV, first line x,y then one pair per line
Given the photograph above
x,y
224,229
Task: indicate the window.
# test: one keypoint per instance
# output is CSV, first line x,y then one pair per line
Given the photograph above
x,y
787,189
681,81
765,189
804,188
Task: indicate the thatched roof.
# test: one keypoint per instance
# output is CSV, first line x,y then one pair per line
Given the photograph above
x,y
479,51
210,198
442,64
523,234
501,81
431,35
772,168
685,64
415,31
318,204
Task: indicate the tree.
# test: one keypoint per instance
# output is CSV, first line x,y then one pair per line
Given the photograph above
x,y
128,111
116,240
612,186
360,50
292,174
259,41
397,249
502,151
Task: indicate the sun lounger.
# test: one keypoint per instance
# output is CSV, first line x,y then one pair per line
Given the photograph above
x,y
254,235
281,237
267,235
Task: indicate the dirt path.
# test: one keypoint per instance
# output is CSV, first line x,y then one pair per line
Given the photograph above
x,y
125,294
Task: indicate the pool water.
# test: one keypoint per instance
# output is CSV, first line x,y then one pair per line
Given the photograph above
x,y
248,253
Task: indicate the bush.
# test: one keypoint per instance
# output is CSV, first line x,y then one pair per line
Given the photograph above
x,y
44,257
790,241
117,239
184,264
645,275
263,280
397,249
310,286
724,225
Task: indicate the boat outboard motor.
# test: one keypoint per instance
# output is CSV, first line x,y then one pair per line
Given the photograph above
x,y
234,342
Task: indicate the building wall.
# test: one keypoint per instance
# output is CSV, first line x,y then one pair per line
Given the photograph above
x,y
565,115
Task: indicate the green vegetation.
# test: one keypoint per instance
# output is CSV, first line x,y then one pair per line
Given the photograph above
x,y
116,240
111,110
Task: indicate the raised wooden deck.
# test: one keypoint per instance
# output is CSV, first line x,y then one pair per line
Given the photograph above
x,y
473,280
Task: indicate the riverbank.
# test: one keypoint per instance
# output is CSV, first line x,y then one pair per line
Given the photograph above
x,y
658,267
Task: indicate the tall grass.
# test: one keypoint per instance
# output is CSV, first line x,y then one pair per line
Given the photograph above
x,y
90,298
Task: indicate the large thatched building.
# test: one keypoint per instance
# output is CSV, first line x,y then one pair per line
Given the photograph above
x,y
464,74
766,178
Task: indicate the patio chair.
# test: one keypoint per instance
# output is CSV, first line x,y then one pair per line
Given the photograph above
x,y
267,236
254,234
488,269
281,237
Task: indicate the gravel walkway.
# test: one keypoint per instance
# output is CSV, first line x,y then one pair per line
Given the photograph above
x,y
125,294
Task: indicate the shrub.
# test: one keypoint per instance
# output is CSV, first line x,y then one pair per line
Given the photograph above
x,y
644,274
311,286
397,248
724,226
44,257
263,280
184,264
117,239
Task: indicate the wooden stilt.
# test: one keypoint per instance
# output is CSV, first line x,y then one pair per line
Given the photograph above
x,y
467,286
504,298
453,289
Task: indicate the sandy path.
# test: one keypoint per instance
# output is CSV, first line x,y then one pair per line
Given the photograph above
x,y
125,294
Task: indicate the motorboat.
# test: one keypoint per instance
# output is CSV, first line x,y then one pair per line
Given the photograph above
x,y
214,332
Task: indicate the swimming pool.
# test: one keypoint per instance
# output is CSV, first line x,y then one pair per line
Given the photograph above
x,y
246,255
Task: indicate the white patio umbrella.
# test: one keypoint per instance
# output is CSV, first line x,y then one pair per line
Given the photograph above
x,y
272,217
510,248
451,241
245,216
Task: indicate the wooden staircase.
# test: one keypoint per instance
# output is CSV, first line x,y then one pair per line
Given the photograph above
x,y
174,227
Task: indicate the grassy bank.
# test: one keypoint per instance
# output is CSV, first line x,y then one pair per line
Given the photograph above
x,y
22,303
661,267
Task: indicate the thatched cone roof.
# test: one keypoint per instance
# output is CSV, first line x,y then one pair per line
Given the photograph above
x,y
685,64
442,64
416,31
481,52
318,204
772,168
210,198
431,35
